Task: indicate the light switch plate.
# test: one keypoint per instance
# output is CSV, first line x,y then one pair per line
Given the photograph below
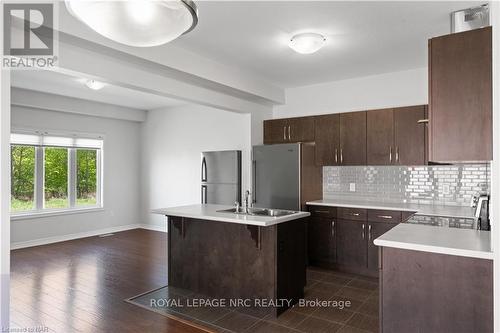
x,y
352,187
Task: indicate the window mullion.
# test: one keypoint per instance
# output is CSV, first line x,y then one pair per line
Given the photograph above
x,y
72,177
39,177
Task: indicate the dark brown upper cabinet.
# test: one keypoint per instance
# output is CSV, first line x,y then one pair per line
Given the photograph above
x,y
410,135
289,130
275,131
327,137
301,129
397,136
460,97
352,138
340,139
380,137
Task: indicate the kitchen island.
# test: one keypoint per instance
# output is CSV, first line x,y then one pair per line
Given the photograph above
x,y
252,258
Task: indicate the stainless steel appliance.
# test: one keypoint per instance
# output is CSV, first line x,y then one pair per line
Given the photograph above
x,y
284,176
221,177
480,202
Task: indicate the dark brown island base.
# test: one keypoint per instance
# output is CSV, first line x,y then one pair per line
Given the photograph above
x,y
262,263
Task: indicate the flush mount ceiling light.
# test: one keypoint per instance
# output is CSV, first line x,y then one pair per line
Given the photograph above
x,y
94,85
141,23
307,43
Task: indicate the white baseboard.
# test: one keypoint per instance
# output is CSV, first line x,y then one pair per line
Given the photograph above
x,y
57,239
154,227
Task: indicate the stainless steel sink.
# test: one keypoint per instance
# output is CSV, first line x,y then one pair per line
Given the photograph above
x,y
258,211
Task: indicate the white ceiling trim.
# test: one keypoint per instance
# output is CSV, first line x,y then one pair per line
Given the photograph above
x,y
52,102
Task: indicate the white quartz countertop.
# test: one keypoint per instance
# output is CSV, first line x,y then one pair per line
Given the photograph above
x,y
420,209
451,241
212,213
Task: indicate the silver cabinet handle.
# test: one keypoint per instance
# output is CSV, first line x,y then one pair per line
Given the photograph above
x,y
284,133
369,232
387,217
423,121
333,229
355,214
289,133
341,156
363,232
390,154
336,156
322,211
397,154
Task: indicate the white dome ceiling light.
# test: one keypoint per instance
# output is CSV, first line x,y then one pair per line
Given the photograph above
x,y
141,23
94,85
307,43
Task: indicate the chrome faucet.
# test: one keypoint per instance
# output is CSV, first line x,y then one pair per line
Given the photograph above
x,y
247,194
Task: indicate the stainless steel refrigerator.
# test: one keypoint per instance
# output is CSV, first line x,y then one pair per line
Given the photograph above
x,y
284,176
221,177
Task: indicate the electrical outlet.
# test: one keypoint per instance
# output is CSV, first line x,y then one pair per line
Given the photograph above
x,y
446,189
352,187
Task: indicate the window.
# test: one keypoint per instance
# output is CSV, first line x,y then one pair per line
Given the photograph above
x,y
56,177
86,177
54,173
22,188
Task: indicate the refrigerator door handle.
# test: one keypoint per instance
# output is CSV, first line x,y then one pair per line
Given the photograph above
x,y
203,194
203,170
254,176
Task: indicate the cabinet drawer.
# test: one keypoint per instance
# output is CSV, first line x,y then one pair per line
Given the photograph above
x,y
323,211
356,214
388,216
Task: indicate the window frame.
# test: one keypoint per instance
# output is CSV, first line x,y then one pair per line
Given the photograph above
x,y
39,182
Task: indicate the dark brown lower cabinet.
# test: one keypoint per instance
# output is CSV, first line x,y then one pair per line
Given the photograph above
x,y
351,243
321,241
432,292
375,230
345,243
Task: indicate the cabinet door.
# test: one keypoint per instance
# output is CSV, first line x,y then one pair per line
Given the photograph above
x,y
353,138
327,137
301,129
410,135
375,230
275,131
460,99
380,137
321,240
351,243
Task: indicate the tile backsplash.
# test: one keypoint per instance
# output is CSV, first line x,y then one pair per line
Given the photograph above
x,y
434,184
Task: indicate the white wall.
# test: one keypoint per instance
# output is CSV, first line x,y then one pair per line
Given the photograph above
x,y
370,92
121,175
172,140
4,195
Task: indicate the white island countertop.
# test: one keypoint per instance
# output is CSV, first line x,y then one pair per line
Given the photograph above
x,y
212,213
451,241
420,209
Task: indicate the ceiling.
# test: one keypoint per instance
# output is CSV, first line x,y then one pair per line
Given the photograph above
x,y
364,38
62,84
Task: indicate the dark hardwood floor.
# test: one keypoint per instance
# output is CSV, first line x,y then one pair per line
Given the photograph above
x,y
80,285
